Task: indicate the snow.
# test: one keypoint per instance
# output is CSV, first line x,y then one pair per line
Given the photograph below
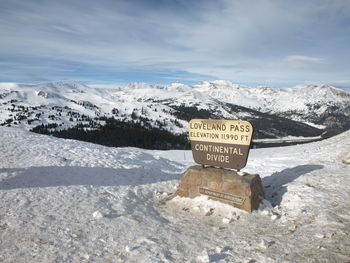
x,y
31,105
274,99
71,201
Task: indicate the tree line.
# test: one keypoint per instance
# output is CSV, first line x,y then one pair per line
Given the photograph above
x,y
118,133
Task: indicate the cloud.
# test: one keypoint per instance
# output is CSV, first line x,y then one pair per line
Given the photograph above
x,y
37,78
302,62
229,39
303,59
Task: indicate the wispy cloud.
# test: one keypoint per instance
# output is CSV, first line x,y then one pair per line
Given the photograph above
x,y
304,59
302,63
243,41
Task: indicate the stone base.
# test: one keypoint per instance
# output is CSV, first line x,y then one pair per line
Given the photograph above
x,y
244,192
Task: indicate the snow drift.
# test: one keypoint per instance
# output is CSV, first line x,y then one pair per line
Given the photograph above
x,y
70,201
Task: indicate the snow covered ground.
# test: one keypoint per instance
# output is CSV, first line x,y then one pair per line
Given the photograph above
x,y
71,201
68,104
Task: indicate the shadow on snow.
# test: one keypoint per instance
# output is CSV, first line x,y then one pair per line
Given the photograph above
x,y
276,184
52,176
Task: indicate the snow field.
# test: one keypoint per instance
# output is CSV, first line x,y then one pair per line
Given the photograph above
x,y
68,104
70,201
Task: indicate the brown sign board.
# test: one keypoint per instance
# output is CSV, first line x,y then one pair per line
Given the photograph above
x,y
221,143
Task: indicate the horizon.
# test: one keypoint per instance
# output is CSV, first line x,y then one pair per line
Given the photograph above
x,y
251,43
121,85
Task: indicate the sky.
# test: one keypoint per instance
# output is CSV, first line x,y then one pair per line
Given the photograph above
x,y
115,42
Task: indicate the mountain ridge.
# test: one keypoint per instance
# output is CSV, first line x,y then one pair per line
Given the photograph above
x,y
305,110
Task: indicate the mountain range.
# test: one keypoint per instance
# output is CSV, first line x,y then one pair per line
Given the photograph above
x,y
140,110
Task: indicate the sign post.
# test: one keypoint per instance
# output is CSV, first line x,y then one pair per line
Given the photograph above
x,y
220,144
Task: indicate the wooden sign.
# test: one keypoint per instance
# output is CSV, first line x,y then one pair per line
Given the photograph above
x,y
221,143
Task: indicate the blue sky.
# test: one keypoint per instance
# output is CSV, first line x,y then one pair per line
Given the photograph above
x,y
261,42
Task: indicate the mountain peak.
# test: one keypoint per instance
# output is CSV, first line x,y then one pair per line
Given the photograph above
x,y
71,103
223,83
139,85
323,90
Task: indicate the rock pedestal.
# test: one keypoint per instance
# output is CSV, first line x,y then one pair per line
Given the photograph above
x,y
244,192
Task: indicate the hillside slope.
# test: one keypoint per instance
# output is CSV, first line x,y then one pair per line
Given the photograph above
x,y
71,201
89,113
317,104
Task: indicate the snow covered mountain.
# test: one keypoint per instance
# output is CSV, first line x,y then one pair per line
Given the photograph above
x,y
275,112
316,104
72,201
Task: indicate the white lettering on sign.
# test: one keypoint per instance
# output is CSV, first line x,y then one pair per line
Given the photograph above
x,y
218,158
218,149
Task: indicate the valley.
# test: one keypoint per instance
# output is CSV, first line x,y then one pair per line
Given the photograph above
x,y
141,114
